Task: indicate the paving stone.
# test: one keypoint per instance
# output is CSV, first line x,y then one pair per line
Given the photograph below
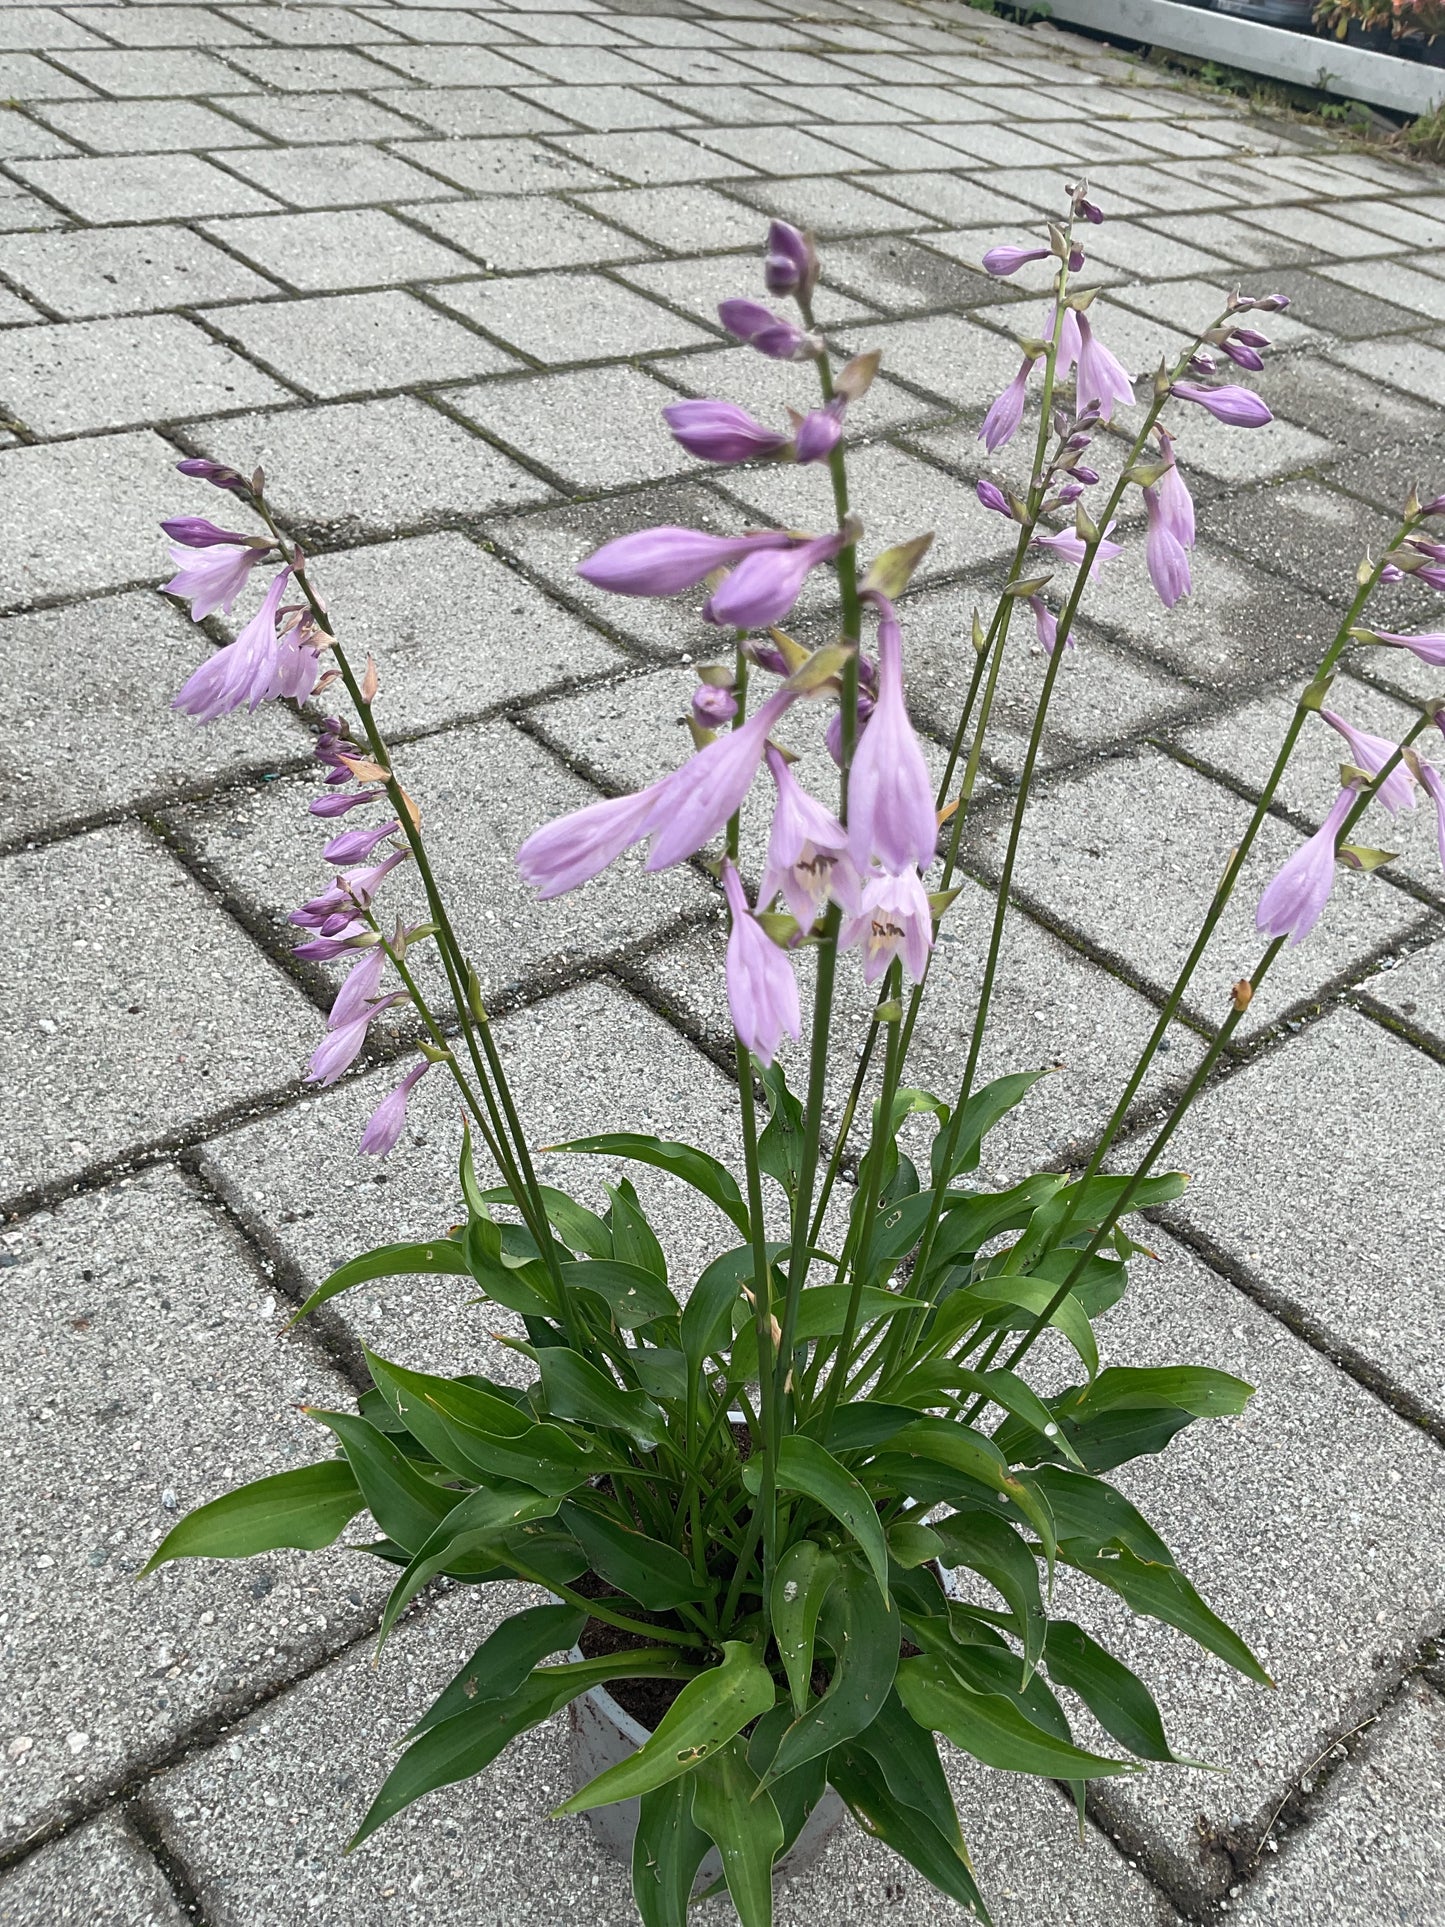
x,y
61,761
944,354
604,109
168,26
1232,239
571,29
106,374
597,428
1367,1853
893,147
958,199
22,139
1129,853
302,119
1346,406
45,27
199,1021
1299,1521
149,1373
341,176
350,249
1126,244
352,343
98,1876
453,630
768,388
1313,536
151,126
313,26
1413,224
717,103
90,271
1330,234
305,70
503,167
686,219
1338,1264
600,67
503,232
1408,286
13,310
827,206
462,111
649,157
701,284
1339,310
142,187
323,464
893,272
152,71
1413,993
776,150
83,515
570,317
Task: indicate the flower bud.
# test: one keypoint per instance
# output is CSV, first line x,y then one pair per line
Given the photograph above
x,y
790,265
216,473
713,707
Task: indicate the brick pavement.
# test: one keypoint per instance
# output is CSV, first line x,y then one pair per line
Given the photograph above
x,y
438,266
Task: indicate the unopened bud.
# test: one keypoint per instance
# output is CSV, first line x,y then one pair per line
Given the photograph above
x,y
855,377
370,682
1242,993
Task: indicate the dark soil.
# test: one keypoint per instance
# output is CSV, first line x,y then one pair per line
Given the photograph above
x,y
645,1699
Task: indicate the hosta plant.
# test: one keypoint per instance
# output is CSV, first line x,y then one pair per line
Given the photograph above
x,y
818,1494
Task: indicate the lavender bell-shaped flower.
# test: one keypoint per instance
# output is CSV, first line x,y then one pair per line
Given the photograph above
x,y
713,707
720,431
771,334
1235,407
210,576
363,980
694,802
820,432
1429,648
992,497
763,587
808,857
569,852
790,265
1435,789
198,532
762,991
1293,901
245,671
890,796
1069,546
665,561
386,1123
340,1048
355,846
1169,511
216,473
893,919
1371,753
1001,423
1046,626
1002,261
1102,378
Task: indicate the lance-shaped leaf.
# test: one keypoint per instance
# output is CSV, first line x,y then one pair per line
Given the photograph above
x,y
743,1822
798,1792
821,1314
406,1504
1089,1514
578,1228
667,1851
800,1584
982,1542
861,1630
706,1322
389,1261
1007,1301
482,1436
1117,1697
1162,1592
308,1508
911,1544
704,1717
634,1242
992,1728
982,1111
471,1529
780,1147
685,1161
502,1663
1022,1403
656,1575
803,1466
634,1295
910,1832
464,1745
862,1424
907,1756
574,1388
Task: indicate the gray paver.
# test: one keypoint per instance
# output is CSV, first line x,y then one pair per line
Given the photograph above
x,y
26,77
299,70
109,374
700,284
63,760
45,27
146,126
1340,1263
571,317
323,464
502,232
597,427
84,514
340,176
829,206
308,118
98,1876
355,248
503,167
91,271
769,388
147,71
685,219
354,343
142,187
462,111
1413,993
157,1377
130,1043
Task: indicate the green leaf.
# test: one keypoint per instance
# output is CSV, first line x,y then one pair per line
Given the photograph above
x,y
501,1664
864,1424
821,1314
634,1242
578,1228
861,1630
684,1161
661,1372
389,1261
707,1315
982,1111
798,1792
743,1822
907,1756
1019,1400
804,1466
308,1507
656,1575
986,1545
911,1544
1091,1514
992,1728
706,1714
1162,1592
804,1574
910,1832
472,1527
633,1295
1030,1297
403,1501
574,1388
483,1437
464,1745
666,1853
1118,1698
780,1148
1198,1389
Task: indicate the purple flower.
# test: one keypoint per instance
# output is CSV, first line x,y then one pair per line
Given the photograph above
x,y
352,936
1236,407
340,1048
993,497
833,735
820,432
1046,626
1069,546
384,1126
214,577
1435,790
363,980
890,796
713,707
694,802
769,333
665,561
333,805
790,265
216,473
572,850
1102,378
355,846
1371,753
720,431
1241,353
1001,423
352,891
764,586
1293,901
1003,261
195,532
1169,510
893,917
807,851
1070,340
762,991
252,669
1430,649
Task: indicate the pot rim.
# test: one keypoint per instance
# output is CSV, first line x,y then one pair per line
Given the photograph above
x,y
632,1730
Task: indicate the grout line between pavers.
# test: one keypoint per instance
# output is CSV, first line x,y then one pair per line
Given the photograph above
x,y
142,1820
